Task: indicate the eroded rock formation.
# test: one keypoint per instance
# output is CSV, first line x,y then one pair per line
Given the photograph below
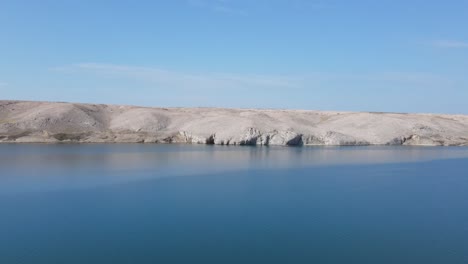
x,y
45,122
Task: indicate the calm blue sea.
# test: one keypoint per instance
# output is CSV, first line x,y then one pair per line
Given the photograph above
x,y
136,203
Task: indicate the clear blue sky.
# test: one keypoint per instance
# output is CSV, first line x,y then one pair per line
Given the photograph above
x,y
388,55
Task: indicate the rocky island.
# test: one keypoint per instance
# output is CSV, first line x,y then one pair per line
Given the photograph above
x,y
54,122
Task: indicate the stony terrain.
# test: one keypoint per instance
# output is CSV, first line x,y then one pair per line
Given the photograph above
x,y
46,122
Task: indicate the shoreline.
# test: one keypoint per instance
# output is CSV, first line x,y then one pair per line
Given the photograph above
x,y
51,123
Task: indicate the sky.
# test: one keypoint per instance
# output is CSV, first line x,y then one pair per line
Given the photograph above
x,y
384,56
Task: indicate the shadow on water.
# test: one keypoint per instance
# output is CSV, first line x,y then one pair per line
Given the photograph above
x,y
45,167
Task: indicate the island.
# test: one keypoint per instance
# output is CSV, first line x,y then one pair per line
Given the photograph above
x,y
57,122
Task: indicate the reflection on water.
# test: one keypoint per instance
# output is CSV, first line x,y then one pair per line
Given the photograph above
x,y
212,204
76,165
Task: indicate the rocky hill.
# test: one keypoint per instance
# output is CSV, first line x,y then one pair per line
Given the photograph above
x,y
23,121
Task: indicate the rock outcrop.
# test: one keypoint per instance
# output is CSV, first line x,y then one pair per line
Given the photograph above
x,y
46,122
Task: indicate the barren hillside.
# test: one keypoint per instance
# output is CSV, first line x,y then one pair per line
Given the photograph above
x,y
22,121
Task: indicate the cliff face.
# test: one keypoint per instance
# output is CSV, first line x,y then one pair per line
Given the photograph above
x,y
22,121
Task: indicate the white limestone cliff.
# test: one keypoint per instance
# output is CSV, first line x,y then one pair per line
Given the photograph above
x,y
47,122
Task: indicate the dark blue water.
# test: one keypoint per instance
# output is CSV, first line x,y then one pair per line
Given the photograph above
x,y
207,204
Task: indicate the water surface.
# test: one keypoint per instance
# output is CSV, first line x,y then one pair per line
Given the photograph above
x,y
130,203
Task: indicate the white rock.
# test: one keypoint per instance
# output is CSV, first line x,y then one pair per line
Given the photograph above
x,y
22,121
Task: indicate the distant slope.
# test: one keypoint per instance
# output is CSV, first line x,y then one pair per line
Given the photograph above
x,y
22,121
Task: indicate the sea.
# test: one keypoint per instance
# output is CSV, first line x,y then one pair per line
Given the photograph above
x,y
157,203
